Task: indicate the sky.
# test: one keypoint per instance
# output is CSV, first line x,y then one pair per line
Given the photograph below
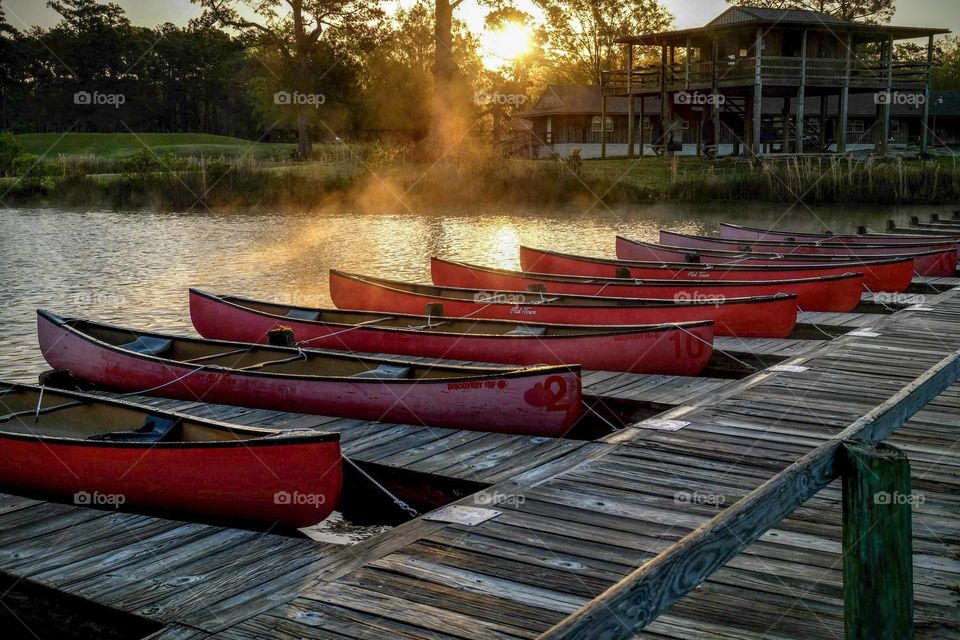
x,y
688,13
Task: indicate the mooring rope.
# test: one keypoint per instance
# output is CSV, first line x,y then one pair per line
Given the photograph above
x,y
933,288
165,384
397,501
359,325
811,322
878,300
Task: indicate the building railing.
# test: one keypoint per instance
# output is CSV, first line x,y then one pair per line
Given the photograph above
x,y
877,537
775,69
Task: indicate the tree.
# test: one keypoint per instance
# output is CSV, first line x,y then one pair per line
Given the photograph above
x,y
510,86
299,33
946,75
8,65
398,78
581,34
871,11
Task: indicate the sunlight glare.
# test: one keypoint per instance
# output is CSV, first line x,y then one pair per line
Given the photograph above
x,y
505,45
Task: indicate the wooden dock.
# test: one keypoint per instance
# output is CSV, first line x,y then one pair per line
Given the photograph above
x,y
572,517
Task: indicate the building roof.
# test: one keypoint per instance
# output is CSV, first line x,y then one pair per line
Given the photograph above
x,y
740,17
565,99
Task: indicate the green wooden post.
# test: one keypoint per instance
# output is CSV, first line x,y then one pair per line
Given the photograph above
x,y
877,543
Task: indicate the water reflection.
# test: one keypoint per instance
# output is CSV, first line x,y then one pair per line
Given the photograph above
x,y
134,267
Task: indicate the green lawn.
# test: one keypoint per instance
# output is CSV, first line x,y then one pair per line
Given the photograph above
x,y
119,145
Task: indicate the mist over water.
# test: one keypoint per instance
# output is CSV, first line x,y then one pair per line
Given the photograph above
x,y
134,268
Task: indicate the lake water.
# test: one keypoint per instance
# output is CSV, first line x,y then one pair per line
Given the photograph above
x,y
134,268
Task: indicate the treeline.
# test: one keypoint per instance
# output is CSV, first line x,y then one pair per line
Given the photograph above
x,y
95,71
325,70
276,71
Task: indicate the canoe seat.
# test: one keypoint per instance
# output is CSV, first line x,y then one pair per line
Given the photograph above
x,y
148,346
526,330
153,430
303,314
390,371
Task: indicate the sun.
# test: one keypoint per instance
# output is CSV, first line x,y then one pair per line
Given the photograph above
x,y
504,45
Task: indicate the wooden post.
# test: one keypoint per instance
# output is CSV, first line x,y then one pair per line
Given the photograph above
x,y
887,106
802,95
924,129
877,543
785,115
716,98
643,112
686,61
844,101
758,96
631,116
603,123
664,96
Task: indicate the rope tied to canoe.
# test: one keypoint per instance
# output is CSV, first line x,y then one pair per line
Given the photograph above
x,y
716,348
607,284
165,384
397,501
811,322
359,325
878,299
926,282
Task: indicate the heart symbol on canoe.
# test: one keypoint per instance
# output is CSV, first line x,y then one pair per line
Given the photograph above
x,y
549,394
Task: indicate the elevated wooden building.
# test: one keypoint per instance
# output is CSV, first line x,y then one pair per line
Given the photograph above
x,y
720,75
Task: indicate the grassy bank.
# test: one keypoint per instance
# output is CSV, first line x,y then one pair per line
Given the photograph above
x,y
188,171
50,146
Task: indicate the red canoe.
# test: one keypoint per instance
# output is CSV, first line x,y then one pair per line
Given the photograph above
x,y
893,275
682,350
766,317
537,401
112,454
636,250
740,232
840,293
930,258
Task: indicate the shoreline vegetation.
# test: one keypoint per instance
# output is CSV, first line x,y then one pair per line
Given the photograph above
x,y
185,172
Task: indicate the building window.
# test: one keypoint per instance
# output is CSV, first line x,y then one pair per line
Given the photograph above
x,y
595,125
894,126
685,125
857,126
813,125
